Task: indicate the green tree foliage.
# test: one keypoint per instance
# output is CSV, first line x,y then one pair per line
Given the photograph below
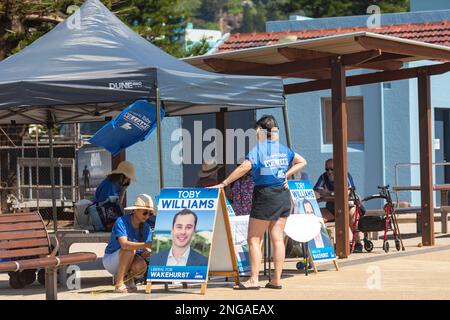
x,y
332,8
256,12
160,21
197,49
163,21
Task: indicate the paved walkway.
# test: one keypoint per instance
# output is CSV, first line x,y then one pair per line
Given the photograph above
x,y
417,273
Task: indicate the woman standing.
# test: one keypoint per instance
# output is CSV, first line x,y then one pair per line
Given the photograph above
x,y
271,164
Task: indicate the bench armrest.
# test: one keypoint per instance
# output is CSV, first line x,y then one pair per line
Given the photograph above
x,y
55,250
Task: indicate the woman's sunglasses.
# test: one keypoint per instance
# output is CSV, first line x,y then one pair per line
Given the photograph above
x,y
147,213
329,170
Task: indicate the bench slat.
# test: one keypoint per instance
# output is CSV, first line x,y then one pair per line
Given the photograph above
x,y
23,235
13,218
24,252
22,244
22,226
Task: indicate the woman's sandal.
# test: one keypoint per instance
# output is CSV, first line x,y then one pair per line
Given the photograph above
x,y
240,286
121,289
273,286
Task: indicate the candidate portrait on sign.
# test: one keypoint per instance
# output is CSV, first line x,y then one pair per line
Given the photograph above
x,y
319,238
181,253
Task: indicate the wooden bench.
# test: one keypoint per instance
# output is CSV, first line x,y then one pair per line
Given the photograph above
x,y
444,210
24,241
66,238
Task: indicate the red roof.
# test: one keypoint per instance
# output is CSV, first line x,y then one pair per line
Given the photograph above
x,y
436,33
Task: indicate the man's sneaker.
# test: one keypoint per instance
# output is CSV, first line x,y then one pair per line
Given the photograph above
x,y
358,248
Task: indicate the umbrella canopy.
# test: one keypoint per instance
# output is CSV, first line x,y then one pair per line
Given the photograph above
x,y
133,124
92,65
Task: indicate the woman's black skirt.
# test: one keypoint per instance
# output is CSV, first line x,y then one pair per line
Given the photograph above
x,y
270,203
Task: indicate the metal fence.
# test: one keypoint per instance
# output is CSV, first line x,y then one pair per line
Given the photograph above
x,y
25,173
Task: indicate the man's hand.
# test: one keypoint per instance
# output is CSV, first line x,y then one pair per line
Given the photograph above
x,y
285,184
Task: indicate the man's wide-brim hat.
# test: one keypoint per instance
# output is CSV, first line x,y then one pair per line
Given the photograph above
x,y
143,201
127,169
208,168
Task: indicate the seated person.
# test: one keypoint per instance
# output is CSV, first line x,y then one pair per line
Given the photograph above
x,y
130,245
208,174
181,254
325,187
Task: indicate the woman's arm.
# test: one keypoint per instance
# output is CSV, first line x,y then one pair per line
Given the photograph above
x,y
240,171
129,245
298,163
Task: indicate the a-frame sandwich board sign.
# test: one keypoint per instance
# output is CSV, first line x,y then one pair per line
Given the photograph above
x,y
320,249
192,239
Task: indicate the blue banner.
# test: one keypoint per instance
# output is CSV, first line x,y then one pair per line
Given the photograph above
x,y
305,202
135,123
174,273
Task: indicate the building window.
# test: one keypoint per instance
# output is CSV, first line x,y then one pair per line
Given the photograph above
x,y
355,120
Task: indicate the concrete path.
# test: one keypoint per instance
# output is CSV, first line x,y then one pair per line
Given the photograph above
x,y
417,273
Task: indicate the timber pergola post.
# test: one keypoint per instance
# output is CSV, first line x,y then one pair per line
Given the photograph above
x,y
426,161
339,124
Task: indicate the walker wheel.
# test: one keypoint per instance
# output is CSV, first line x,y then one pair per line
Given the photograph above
x,y
386,246
368,245
397,244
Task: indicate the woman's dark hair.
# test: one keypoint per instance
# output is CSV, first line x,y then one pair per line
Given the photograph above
x,y
307,202
267,122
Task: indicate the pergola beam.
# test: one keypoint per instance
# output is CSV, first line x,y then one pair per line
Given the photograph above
x,y
383,65
291,68
359,57
301,54
230,66
369,78
385,45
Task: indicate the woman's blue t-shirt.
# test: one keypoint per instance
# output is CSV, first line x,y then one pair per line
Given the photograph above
x,y
105,189
270,162
124,228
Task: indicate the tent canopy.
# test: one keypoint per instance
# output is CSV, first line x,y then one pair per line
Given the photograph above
x,y
92,65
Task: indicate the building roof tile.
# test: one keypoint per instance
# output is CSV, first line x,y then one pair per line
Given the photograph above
x,y
435,33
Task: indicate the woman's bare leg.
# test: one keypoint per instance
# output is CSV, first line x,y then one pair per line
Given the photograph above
x,y
256,229
277,237
126,258
138,267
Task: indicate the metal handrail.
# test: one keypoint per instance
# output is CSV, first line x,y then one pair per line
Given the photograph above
x,y
408,164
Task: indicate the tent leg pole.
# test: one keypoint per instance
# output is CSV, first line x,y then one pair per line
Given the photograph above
x,y
50,125
158,137
286,125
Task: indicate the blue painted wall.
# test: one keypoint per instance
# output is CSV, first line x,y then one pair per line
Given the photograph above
x,y
144,156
